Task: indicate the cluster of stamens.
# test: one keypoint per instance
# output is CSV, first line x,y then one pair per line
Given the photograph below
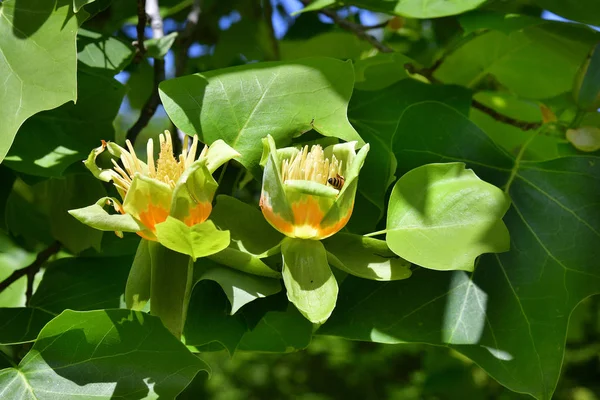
x,y
311,166
168,169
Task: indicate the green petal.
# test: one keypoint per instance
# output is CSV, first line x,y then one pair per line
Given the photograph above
x,y
345,152
96,217
310,284
273,192
146,195
105,175
219,153
311,188
137,290
353,169
244,262
365,257
200,240
195,186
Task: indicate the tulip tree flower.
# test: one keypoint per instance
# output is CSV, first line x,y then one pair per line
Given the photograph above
x,y
308,195
167,203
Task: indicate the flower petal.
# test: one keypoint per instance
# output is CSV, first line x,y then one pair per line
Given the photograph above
x,y
273,200
148,201
193,194
219,153
97,217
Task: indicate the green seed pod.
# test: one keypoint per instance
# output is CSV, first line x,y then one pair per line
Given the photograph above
x,y
586,88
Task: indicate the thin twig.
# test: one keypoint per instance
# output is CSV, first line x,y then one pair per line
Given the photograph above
x,y
524,125
186,36
141,26
355,28
428,73
268,15
153,101
376,26
31,269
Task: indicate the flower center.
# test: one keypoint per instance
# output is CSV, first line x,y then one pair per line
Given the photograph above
x,y
168,169
311,166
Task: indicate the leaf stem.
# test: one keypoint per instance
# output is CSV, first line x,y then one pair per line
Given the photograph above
x,y
382,232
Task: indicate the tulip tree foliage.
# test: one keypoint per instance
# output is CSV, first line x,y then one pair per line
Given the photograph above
x,y
433,180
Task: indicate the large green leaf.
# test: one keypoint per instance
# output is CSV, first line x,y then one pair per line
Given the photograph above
x,y
82,284
51,141
102,354
102,54
283,99
524,60
407,8
449,207
376,116
511,314
37,61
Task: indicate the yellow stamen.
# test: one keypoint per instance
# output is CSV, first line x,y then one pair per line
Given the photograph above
x,y
310,166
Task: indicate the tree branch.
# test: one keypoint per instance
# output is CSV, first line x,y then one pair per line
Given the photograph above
x,y
357,29
186,36
428,73
31,269
268,15
153,101
141,26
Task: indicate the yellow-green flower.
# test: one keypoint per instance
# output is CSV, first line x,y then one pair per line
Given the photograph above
x,y
182,187
309,193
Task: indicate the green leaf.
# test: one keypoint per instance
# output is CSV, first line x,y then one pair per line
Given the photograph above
x,y
241,288
278,332
388,106
380,71
309,282
78,4
524,60
82,284
200,240
21,325
38,56
51,141
543,271
102,54
210,320
586,11
171,286
98,218
158,48
449,207
586,91
280,98
250,232
340,45
419,8
138,287
365,257
83,355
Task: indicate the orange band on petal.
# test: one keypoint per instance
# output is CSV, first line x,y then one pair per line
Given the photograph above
x,y
198,214
152,216
307,212
276,220
332,229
